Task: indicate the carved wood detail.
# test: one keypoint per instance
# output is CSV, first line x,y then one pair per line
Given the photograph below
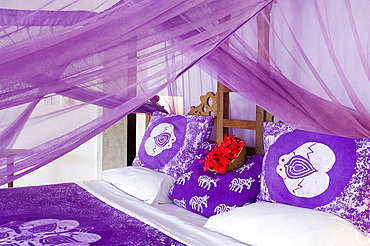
x,y
219,104
207,106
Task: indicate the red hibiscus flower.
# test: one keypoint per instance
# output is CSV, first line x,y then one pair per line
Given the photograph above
x,y
218,159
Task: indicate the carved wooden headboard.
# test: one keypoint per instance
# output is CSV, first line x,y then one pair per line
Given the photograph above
x,y
218,106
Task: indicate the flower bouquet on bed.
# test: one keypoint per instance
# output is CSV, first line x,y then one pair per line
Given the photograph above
x,y
226,157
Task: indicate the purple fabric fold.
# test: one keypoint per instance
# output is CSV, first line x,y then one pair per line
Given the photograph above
x,y
42,18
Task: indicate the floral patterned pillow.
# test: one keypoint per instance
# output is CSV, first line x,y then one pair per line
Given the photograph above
x,y
208,193
317,171
171,142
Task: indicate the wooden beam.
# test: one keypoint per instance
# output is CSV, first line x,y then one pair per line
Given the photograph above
x,y
268,117
222,111
241,124
226,89
264,34
264,56
259,130
147,120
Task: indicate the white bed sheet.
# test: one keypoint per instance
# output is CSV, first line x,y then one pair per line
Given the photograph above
x,y
176,222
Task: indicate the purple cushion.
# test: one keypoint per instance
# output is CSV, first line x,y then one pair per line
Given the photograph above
x,y
208,193
170,143
317,171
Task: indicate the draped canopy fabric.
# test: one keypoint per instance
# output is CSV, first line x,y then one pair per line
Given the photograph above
x,y
293,59
316,75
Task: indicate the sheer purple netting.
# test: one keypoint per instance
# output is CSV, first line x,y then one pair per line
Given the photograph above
x,y
313,74
42,17
61,63
304,63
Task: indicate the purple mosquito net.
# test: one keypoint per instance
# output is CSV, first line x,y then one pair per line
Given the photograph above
x,y
310,69
117,59
290,58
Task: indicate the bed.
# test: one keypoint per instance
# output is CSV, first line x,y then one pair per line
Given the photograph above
x,y
153,202
95,213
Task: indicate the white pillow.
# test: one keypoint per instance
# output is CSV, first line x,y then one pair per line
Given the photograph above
x,y
278,224
140,182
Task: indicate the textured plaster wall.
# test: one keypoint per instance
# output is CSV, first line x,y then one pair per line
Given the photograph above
x,y
112,146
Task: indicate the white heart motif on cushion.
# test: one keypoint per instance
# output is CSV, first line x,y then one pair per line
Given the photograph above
x,y
304,170
161,138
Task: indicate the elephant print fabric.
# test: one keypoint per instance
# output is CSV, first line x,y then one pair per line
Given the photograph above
x,y
318,171
208,193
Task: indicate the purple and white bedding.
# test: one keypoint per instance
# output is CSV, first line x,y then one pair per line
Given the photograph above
x,y
65,214
176,222
131,205
96,213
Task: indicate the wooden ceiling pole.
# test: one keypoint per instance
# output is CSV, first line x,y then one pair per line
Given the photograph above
x,y
263,51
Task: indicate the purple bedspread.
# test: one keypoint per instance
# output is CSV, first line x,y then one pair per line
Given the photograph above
x,y
66,214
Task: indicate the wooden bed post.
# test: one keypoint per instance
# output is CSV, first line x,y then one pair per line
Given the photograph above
x,y
222,121
222,110
260,117
263,51
9,155
147,120
11,158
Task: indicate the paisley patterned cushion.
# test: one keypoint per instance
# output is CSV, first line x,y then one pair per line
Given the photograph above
x,y
208,193
170,143
317,171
